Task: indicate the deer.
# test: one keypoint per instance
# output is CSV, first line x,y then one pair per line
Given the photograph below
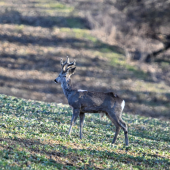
x,y
84,101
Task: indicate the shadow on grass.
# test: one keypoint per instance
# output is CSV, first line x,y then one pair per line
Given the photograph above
x,y
14,17
49,62
30,82
73,154
74,43
52,158
45,63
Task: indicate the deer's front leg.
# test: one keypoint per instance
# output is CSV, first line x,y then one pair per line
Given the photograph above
x,y
76,113
82,116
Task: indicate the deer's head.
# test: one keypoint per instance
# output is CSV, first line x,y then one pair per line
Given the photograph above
x,y
67,69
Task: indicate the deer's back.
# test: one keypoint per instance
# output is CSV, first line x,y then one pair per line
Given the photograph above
x,y
89,101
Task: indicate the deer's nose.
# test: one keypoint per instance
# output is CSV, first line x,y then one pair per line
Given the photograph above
x,y
55,81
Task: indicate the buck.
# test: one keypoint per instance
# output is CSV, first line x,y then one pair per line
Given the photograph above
x,y
83,101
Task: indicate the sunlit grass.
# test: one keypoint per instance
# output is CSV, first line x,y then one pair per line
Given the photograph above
x,y
79,33
2,3
53,5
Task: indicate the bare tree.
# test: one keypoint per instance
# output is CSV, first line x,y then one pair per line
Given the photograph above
x,y
132,23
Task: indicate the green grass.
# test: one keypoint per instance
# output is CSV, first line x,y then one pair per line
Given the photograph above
x,y
52,5
33,135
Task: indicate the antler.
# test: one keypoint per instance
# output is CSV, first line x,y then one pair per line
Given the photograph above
x,y
67,64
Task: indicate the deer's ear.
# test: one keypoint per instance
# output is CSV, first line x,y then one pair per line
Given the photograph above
x,y
71,70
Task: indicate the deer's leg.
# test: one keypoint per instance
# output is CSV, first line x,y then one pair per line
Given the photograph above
x,y
126,138
82,116
76,113
119,123
114,120
116,134
125,129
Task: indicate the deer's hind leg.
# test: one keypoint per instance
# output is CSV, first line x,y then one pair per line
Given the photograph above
x,y
119,123
113,119
116,134
125,129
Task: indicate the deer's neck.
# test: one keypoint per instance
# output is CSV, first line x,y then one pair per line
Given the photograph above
x,y
66,86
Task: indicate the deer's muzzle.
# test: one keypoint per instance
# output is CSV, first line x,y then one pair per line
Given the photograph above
x,y
56,81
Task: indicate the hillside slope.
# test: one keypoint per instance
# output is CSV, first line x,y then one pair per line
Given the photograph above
x,y
33,135
35,34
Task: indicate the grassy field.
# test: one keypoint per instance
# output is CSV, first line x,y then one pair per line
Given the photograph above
x,y
34,35
33,135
